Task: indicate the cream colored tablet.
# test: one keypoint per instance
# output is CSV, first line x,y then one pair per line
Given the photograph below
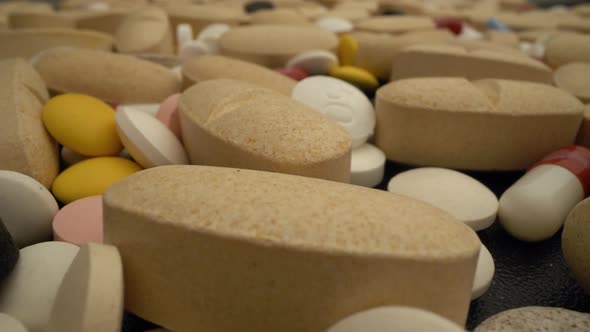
x,y
460,195
234,124
29,291
146,30
308,238
278,16
395,319
148,140
25,145
566,48
26,43
575,79
481,125
206,68
575,243
584,132
11,324
114,78
455,61
367,165
484,273
273,45
536,319
395,24
335,24
90,298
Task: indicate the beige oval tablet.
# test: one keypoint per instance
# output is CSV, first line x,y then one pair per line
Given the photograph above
x,y
209,67
146,30
395,24
264,248
278,16
235,124
455,61
25,146
484,125
114,78
576,243
565,48
575,79
26,43
273,45
536,319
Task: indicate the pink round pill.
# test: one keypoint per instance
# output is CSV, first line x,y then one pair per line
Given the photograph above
x,y
168,115
80,221
296,73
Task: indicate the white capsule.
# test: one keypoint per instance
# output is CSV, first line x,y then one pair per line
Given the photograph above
x,y
367,166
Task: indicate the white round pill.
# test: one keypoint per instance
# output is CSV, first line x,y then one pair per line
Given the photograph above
x,y
26,207
335,24
470,33
484,273
150,109
458,194
315,62
395,318
194,48
184,35
367,165
342,102
10,324
29,291
211,34
148,140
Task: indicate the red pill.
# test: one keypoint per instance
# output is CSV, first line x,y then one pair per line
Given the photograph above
x,y
451,23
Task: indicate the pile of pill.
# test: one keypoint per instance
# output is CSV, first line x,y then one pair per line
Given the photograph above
x,y
219,165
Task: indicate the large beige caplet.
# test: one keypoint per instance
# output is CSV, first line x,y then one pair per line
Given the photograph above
x,y
576,243
211,67
145,30
113,78
482,125
456,61
26,43
395,24
25,145
236,124
565,48
273,45
225,249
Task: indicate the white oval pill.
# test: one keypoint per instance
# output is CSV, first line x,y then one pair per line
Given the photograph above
x,y
335,24
26,207
150,109
10,324
316,62
484,273
367,165
398,319
194,48
148,140
340,101
184,34
210,35
459,194
29,291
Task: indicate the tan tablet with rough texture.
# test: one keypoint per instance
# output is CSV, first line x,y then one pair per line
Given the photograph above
x,y
278,16
584,132
210,67
395,24
26,43
274,45
199,16
565,48
258,251
482,125
114,78
103,21
454,61
25,146
575,79
146,30
236,124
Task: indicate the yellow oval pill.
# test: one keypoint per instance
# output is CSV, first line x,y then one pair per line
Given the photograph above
x,y
83,124
359,77
347,49
91,177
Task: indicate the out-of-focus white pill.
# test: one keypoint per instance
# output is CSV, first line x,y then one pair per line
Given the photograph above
x,y
367,165
27,208
398,319
316,62
184,35
11,324
90,297
148,140
29,291
211,34
470,33
342,102
459,194
484,273
335,24
194,48
150,109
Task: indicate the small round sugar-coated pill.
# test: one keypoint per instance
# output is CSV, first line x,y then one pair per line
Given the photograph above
x,y
316,62
297,73
150,109
536,319
26,208
8,253
335,24
255,6
453,24
347,49
367,164
484,273
398,319
79,222
148,140
575,242
29,291
168,115
90,297
82,123
340,101
356,76
460,195
91,177
11,324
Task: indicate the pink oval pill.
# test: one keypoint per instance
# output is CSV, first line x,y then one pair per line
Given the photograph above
x,y
297,73
168,115
80,221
